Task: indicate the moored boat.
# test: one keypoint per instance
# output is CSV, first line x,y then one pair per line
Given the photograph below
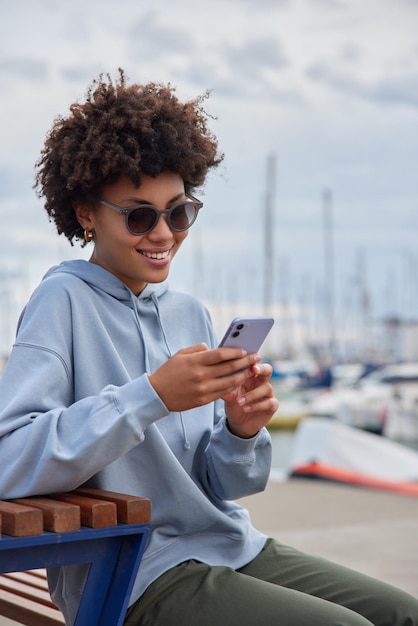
x,y
327,449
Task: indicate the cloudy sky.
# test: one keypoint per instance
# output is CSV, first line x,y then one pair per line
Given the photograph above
x,y
328,87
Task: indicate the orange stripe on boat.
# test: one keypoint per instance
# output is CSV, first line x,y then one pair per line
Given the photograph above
x,y
337,474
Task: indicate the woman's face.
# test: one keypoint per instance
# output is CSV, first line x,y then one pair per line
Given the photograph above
x,y
135,259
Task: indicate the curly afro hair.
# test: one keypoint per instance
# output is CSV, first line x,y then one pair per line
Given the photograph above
x,y
121,129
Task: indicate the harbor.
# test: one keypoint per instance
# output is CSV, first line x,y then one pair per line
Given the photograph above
x,y
370,529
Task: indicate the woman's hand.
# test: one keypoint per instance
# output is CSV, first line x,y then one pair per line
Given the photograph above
x,y
251,405
196,376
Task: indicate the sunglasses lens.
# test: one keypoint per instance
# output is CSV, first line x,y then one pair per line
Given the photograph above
x,y
183,216
142,220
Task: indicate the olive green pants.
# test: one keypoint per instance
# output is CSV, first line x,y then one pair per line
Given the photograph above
x,y
281,586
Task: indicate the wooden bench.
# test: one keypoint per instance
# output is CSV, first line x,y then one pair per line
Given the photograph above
x,y
105,529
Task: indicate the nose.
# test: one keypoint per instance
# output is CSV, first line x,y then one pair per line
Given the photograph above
x,y
161,230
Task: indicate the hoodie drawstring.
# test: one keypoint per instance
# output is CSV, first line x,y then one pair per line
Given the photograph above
x,y
186,442
138,323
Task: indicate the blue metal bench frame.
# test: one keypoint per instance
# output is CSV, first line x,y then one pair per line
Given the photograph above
x,y
114,553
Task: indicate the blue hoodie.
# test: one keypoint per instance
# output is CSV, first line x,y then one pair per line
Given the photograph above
x,y
77,408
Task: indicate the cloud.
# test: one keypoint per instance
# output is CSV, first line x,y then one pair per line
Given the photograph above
x,y
252,69
391,88
13,180
401,89
255,54
79,75
151,41
23,68
356,71
234,67
258,62
261,4
328,4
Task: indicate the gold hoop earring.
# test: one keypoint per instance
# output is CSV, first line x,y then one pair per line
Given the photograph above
x,y
88,235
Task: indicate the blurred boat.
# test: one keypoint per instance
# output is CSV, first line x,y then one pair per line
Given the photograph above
x,y
289,415
383,400
328,450
366,408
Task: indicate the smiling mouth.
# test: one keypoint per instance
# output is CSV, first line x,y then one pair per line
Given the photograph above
x,y
156,255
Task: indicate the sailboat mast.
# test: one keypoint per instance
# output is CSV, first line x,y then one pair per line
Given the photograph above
x,y
329,271
268,236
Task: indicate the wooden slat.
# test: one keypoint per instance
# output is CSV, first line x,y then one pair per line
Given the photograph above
x,y
34,578
28,612
37,573
94,513
20,520
27,591
24,597
59,517
130,509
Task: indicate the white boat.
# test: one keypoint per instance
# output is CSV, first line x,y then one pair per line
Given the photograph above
x,y
328,449
383,402
399,381
365,408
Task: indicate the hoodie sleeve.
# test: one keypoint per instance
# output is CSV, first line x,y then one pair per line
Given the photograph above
x,y
48,441
47,446
238,467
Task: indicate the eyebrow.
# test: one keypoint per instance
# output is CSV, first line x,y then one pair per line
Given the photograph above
x,y
143,201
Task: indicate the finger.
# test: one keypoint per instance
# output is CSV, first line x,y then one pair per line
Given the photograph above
x,y
262,370
252,394
230,367
225,355
229,385
198,347
262,407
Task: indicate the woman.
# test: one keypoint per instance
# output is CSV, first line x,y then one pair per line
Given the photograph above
x,y
115,382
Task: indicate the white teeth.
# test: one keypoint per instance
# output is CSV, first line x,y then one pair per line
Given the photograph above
x,y
156,255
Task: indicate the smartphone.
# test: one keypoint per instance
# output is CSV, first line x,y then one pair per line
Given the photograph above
x,y
247,333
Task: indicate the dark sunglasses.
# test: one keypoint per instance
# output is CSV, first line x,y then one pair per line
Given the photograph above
x,y
142,218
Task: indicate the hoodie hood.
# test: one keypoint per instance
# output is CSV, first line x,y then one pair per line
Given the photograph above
x,y
101,279
145,307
